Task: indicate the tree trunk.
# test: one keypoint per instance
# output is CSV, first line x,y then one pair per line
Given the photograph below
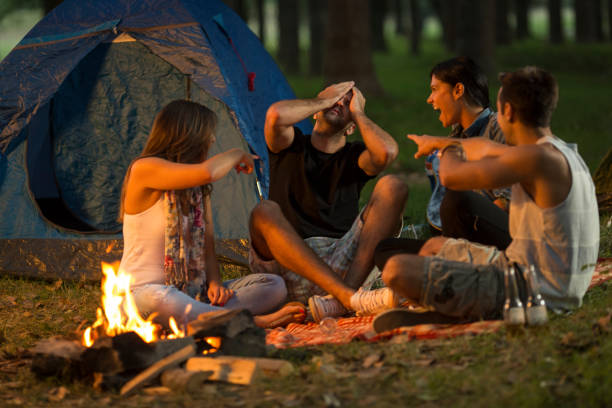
x,y
447,11
288,44
348,53
555,25
399,17
610,20
416,27
261,18
587,17
378,11
239,6
49,5
503,33
317,10
598,20
522,19
476,32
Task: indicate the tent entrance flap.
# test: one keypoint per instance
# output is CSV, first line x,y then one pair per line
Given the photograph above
x,y
41,180
82,143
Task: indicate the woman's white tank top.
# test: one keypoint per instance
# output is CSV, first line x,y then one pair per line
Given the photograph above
x,y
143,245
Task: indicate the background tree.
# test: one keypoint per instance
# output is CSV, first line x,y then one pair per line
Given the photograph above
x,y
475,31
261,19
317,12
447,11
288,42
598,20
378,13
348,52
49,5
398,14
521,10
503,32
588,20
240,7
416,26
555,24
8,6
610,20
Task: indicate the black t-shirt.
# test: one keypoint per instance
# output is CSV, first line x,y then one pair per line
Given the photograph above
x,y
318,192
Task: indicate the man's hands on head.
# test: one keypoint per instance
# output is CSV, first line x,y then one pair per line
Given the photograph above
x,y
335,92
357,101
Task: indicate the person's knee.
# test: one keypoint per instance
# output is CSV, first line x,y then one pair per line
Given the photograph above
x,y
404,274
394,273
432,246
264,213
391,188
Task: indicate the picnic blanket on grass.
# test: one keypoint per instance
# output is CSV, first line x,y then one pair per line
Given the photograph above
x,y
350,328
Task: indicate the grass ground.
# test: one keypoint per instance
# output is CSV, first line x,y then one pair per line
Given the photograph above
x,y
566,363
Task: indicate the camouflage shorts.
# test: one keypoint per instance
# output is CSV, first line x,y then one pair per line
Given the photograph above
x,y
465,279
338,253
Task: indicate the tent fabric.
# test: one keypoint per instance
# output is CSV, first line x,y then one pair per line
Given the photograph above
x,y
77,99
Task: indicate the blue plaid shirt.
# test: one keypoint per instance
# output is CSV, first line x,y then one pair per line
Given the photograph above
x,y
484,125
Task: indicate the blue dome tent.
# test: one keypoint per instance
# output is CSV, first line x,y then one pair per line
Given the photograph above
x,y
78,96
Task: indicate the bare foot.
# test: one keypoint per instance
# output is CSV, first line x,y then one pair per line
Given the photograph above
x,y
292,312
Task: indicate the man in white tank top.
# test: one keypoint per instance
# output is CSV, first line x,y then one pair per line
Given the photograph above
x,y
554,222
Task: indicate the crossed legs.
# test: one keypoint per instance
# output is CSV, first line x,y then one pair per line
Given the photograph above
x,y
273,237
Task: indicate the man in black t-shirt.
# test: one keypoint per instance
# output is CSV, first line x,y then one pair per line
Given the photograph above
x,y
311,231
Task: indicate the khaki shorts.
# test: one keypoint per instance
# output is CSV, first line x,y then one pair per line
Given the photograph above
x,y
338,253
466,280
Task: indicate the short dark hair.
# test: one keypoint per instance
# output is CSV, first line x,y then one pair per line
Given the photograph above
x,y
466,71
533,94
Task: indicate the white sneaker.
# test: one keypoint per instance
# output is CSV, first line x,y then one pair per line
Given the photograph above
x,y
369,302
325,306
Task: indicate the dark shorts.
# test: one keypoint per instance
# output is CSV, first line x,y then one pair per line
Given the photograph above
x,y
466,280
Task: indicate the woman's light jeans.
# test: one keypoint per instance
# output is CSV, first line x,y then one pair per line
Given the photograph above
x,y
259,293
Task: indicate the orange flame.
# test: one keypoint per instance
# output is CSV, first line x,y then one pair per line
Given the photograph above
x,y
120,314
214,343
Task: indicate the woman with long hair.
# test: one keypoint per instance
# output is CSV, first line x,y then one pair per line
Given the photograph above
x,y
168,230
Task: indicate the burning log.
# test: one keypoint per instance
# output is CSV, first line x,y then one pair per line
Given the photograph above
x,y
57,357
155,370
127,352
237,329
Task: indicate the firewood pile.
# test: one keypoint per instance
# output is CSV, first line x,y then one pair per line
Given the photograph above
x,y
126,363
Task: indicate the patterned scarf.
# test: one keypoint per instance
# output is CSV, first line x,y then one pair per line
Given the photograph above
x,y
184,261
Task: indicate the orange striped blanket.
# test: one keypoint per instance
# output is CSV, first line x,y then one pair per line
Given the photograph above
x,y
350,328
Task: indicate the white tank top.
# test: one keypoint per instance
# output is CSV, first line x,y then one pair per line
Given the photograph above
x,y
562,241
143,245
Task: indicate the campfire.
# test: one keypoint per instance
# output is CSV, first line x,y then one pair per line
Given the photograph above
x,y
120,314
123,351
